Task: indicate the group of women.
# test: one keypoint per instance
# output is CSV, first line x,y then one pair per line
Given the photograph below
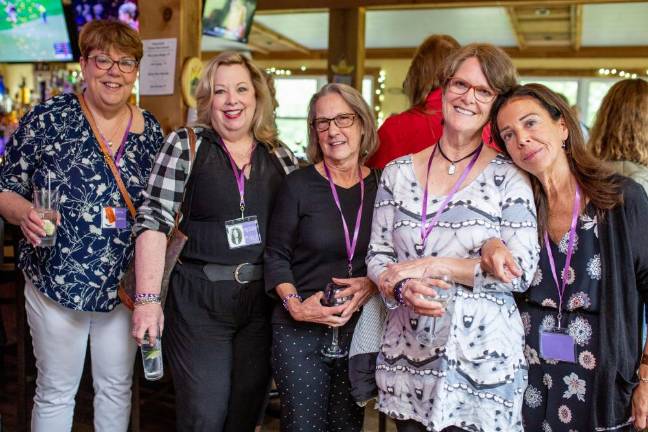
x,y
514,279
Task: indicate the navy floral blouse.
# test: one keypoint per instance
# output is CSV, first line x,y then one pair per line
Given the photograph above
x,y
559,394
82,270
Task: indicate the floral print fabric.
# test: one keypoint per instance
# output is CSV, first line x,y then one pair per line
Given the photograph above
x,y
82,270
559,394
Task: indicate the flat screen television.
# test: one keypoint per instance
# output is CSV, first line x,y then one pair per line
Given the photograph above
x,y
33,31
89,10
228,19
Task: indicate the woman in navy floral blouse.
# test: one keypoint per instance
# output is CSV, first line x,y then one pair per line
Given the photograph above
x,y
71,287
582,315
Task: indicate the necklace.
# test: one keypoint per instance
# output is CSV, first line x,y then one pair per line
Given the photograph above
x,y
453,163
109,142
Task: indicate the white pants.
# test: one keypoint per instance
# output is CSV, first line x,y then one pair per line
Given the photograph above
x,y
60,338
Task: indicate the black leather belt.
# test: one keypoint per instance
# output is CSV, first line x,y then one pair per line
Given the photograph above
x,y
242,273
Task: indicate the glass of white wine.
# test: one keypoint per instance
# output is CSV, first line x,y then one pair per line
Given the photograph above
x,y
437,278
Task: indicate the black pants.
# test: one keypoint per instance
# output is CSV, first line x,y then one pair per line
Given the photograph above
x,y
217,340
314,391
414,426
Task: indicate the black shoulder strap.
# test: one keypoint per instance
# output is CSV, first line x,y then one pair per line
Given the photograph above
x,y
377,172
199,159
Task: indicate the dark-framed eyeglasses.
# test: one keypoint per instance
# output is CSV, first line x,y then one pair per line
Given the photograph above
x,y
104,62
344,120
460,87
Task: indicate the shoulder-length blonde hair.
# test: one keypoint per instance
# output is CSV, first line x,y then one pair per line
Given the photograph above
x,y
263,126
621,128
369,140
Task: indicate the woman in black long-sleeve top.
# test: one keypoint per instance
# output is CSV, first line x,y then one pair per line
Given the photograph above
x,y
309,246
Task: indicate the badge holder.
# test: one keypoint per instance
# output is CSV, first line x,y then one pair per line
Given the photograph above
x,y
242,232
114,218
557,344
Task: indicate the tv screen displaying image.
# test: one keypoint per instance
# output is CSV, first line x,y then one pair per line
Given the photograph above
x,y
228,19
89,10
33,31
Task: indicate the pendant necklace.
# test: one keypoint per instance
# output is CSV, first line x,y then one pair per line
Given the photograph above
x,y
453,163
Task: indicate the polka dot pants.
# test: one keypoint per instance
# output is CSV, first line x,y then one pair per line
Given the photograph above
x,y
314,391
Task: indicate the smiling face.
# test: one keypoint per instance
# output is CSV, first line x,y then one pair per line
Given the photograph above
x,y
110,89
532,137
338,144
464,113
234,101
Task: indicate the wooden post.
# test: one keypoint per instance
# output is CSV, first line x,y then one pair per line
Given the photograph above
x,y
346,47
179,19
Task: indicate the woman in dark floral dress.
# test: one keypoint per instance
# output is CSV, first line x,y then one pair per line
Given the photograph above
x,y
582,315
558,392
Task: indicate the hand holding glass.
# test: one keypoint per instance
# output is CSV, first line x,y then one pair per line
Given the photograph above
x,y
152,358
334,350
46,201
441,282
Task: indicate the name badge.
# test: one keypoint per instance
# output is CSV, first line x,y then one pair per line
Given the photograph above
x,y
114,218
242,232
557,344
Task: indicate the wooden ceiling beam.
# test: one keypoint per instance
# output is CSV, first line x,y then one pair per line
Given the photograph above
x,y
576,26
514,52
279,38
297,5
515,24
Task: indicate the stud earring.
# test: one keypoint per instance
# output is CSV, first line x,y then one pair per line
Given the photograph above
x,y
564,145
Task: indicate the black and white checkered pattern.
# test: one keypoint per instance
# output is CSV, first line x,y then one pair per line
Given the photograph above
x,y
165,191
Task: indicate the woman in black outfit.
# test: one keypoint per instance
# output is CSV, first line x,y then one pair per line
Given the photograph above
x,y
319,233
217,337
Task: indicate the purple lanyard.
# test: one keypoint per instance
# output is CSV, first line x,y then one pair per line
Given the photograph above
x,y
426,230
350,245
570,252
238,174
122,146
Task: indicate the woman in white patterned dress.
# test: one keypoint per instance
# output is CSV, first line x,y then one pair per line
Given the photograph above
x,y
472,374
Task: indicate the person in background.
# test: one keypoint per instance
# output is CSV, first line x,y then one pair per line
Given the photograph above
x,y
71,287
217,316
420,126
582,314
319,234
620,132
461,367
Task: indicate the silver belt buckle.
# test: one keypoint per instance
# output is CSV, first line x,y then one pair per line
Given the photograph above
x,y
237,272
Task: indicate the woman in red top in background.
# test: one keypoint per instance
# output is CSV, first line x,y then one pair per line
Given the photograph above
x,y
420,126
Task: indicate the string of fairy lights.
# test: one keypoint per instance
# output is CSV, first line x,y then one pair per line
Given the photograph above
x,y
613,72
379,86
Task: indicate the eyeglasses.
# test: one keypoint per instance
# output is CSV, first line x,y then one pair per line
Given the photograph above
x,y
343,120
461,87
103,62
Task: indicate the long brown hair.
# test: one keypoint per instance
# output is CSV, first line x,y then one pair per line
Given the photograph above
x,y
263,125
597,182
621,128
422,75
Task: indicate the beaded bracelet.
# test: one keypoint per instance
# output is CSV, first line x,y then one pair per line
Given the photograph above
x,y
284,300
146,298
398,291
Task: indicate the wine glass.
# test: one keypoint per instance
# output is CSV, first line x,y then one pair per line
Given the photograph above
x,y
334,350
431,278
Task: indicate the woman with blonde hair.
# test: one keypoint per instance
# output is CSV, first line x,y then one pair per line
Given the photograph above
x,y
620,133
218,334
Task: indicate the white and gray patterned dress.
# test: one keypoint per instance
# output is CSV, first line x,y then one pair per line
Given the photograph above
x,y
474,374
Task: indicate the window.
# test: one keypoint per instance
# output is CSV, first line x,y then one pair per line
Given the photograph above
x,y
293,95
